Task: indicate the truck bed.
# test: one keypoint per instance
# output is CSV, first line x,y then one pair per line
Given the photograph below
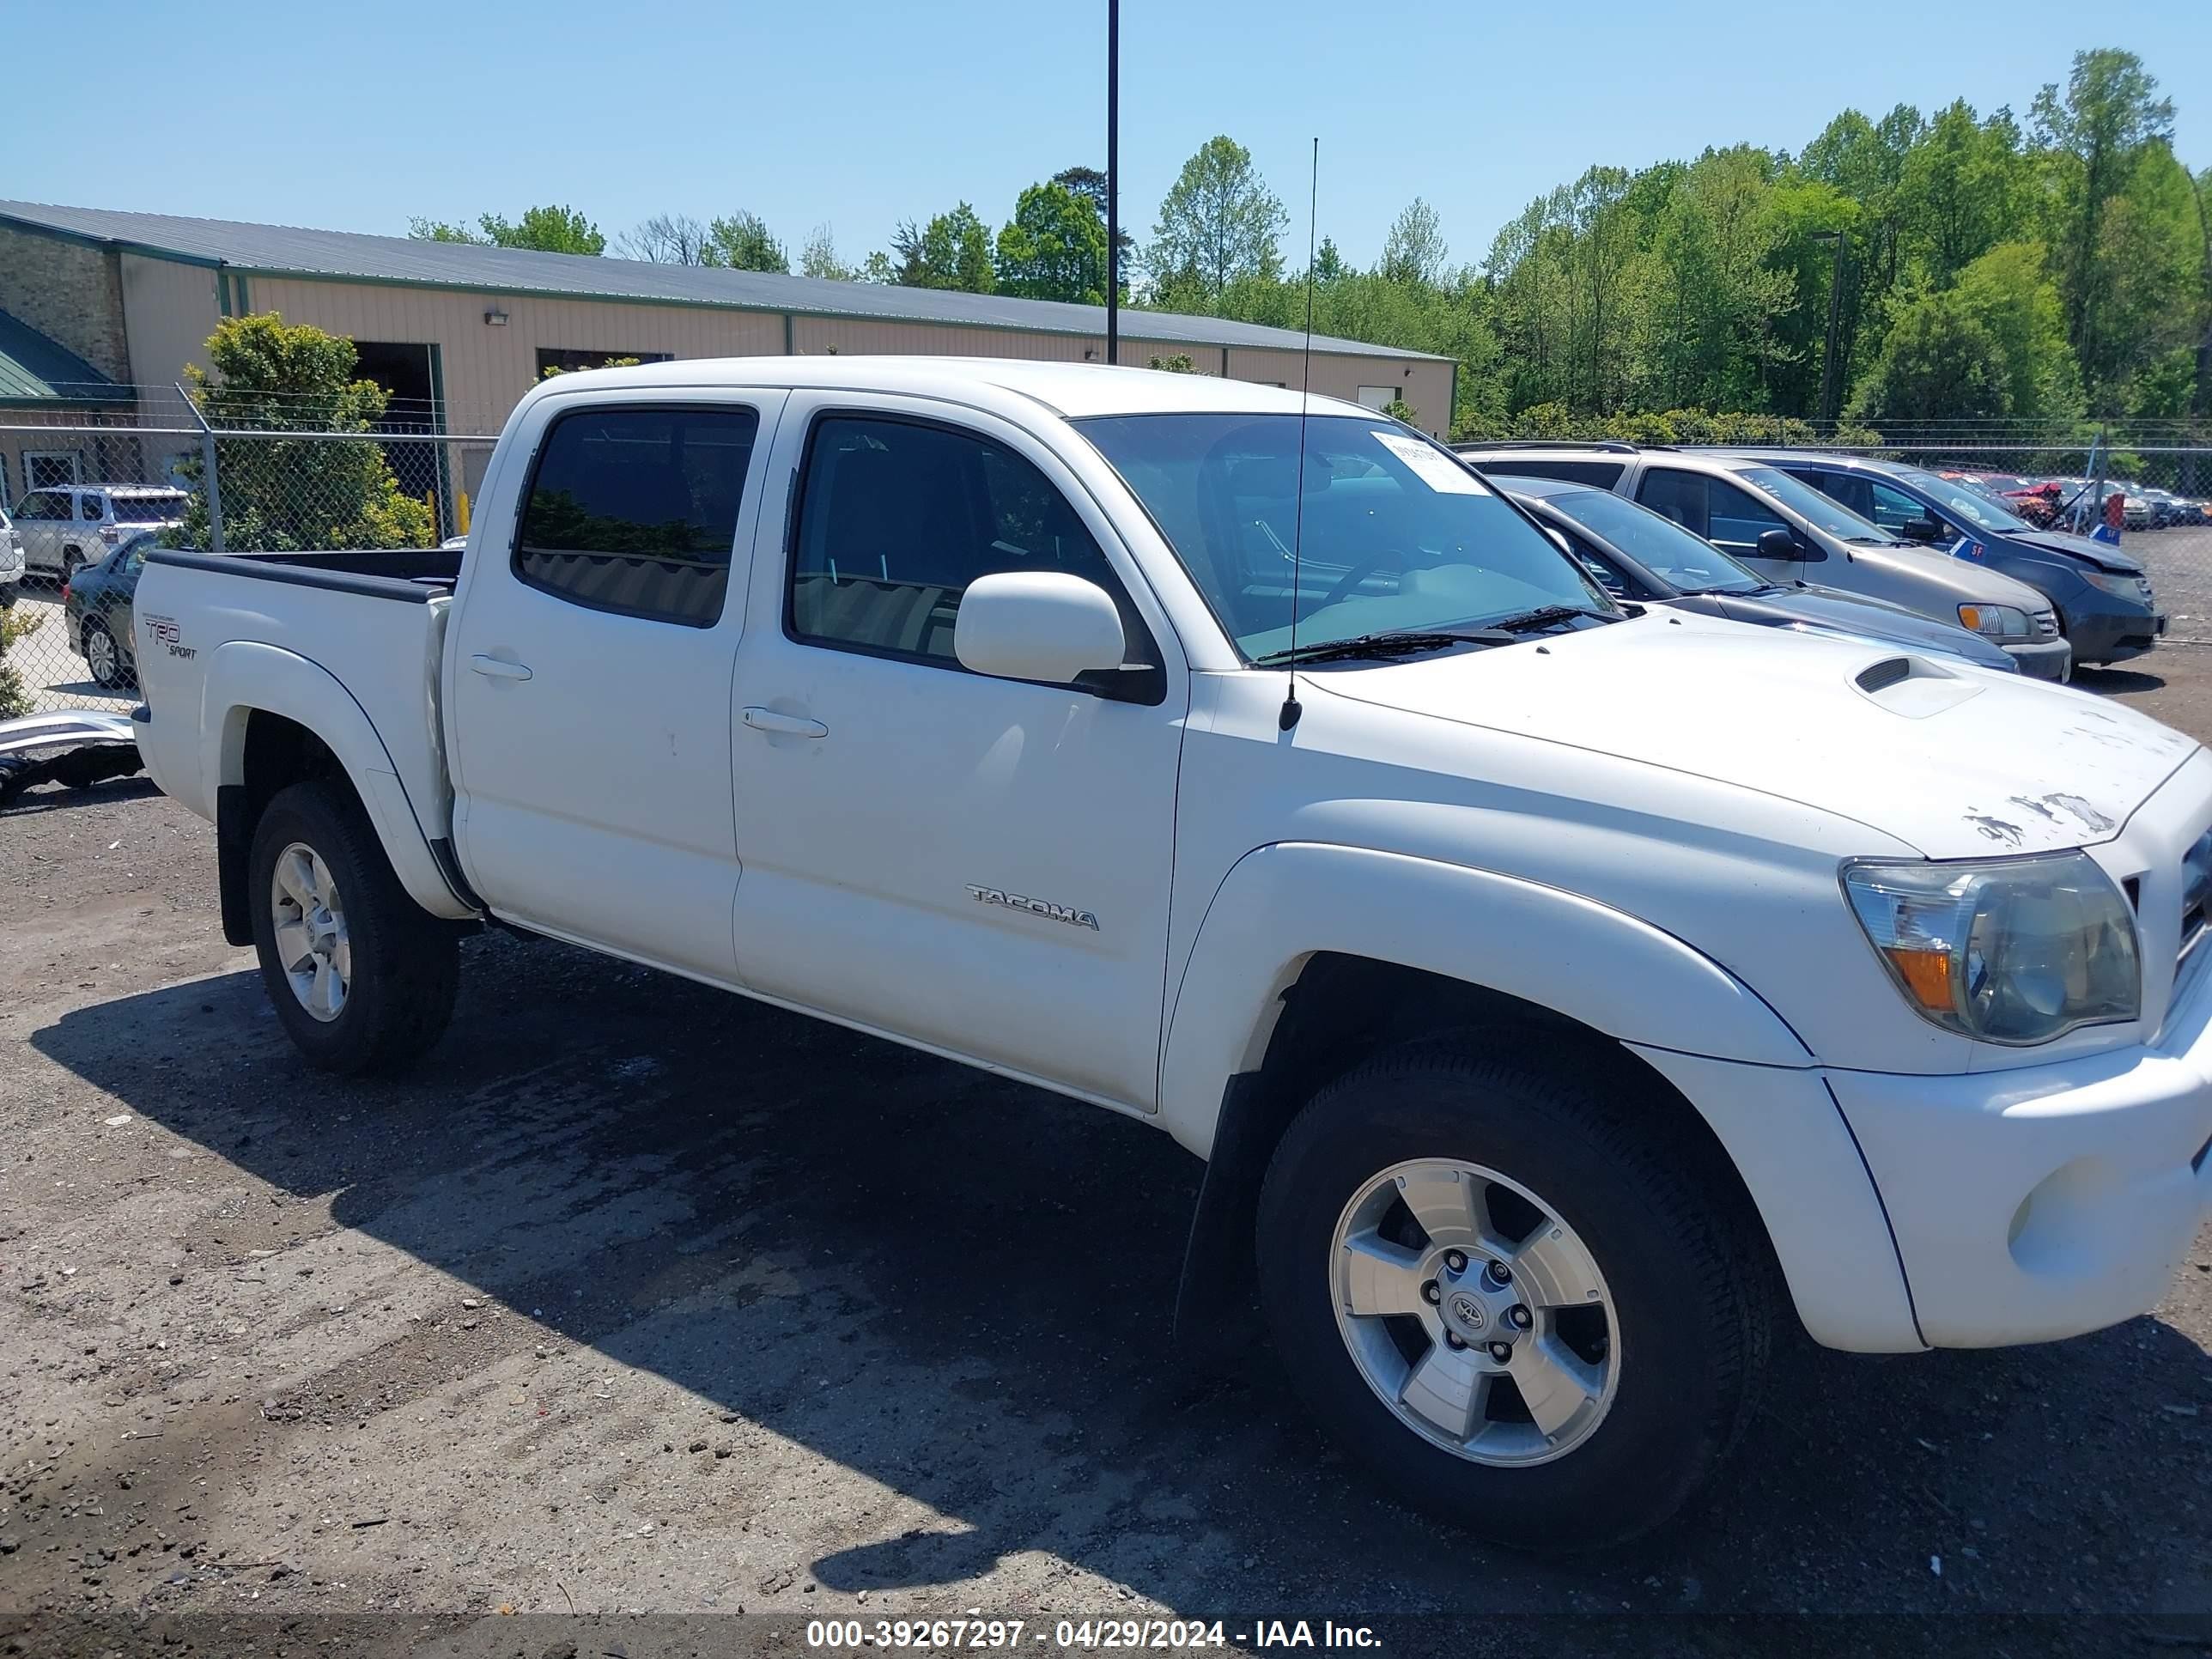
x,y
359,629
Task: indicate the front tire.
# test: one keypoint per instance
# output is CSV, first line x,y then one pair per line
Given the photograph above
x,y
363,978
1507,1297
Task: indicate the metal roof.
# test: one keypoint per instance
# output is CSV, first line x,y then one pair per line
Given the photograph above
x,y
36,369
285,250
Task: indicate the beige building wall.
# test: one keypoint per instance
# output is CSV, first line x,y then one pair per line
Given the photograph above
x,y
487,368
70,293
850,337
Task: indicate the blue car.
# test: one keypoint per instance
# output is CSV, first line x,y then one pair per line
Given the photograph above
x,y
1637,554
2105,606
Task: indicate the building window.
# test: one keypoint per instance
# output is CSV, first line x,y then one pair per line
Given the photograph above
x,y
43,469
1379,397
634,510
567,362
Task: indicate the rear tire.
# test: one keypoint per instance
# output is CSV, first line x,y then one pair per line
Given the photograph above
x,y
72,561
362,977
1662,1366
104,658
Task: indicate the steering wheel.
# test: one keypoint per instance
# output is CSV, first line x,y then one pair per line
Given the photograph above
x,y
1360,573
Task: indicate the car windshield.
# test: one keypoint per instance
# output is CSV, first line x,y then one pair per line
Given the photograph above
x,y
1969,504
1675,555
1398,534
1822,512
149,510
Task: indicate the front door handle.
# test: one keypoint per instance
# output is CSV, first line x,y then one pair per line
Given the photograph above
x,y
498,668
784,725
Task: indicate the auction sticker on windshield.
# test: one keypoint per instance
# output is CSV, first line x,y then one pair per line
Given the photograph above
x,y
1430,465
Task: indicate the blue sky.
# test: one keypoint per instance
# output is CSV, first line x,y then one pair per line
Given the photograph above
x,y
859,112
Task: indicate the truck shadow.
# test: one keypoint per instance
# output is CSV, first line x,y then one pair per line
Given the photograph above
x,y
958,1288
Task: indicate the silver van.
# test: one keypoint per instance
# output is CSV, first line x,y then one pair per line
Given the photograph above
x,y
1787,531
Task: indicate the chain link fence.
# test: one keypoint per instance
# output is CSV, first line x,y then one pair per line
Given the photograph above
x,y
2149,483
85,496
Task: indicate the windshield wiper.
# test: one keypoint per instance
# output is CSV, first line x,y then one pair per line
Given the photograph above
x,y
1547,615
1396,643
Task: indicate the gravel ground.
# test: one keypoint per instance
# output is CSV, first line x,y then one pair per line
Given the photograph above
x,y
636,1299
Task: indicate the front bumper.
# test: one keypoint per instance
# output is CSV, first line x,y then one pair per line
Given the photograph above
x,y
2114,634
2043,660
2046,1200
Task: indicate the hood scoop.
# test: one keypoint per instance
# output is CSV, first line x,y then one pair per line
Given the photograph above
x,y
1914,687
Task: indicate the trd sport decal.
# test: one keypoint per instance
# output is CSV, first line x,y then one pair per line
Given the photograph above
x,y
1035,907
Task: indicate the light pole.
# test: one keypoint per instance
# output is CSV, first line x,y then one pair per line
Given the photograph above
x,y
1113,181
1828,401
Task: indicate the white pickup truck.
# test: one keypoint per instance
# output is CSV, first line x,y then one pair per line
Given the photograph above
x,y
1558,992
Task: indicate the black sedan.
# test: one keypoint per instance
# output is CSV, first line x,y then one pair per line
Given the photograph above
x,y
1636,553
96,607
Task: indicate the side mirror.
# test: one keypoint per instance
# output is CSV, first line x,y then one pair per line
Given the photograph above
x,y
1037,625
1920,530
1778,544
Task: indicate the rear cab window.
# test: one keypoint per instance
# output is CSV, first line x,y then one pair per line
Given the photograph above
x,y
1602,474
635,511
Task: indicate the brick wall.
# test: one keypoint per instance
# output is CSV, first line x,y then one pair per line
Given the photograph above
x,y
68,292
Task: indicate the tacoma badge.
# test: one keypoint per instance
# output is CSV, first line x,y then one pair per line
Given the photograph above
x,y
1035,907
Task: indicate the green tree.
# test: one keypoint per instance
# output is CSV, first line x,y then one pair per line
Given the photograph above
x,y
547,229
818,258
1328,264
1089,183
2096,131
1055,248
1937,363
1962,190
2009,291
284,494
742,242
1414,250
1218,222
953,250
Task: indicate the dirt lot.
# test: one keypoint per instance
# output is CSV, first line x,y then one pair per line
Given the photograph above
x,y
638,1298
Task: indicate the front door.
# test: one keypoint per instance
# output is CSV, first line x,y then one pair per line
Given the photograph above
x,y
590,674
979,865
1730,518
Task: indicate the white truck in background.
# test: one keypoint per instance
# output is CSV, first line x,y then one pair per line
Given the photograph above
x,y
1558,993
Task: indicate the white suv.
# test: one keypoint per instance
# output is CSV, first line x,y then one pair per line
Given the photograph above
x,y
11,561
68,526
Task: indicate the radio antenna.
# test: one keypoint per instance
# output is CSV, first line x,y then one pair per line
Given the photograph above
x,y
1289,717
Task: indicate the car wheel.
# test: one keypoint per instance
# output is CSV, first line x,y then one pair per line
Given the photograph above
x,y
1510,1298
363,978
102,656
72,561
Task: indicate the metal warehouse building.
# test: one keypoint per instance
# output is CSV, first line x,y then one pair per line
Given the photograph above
x,y
94,302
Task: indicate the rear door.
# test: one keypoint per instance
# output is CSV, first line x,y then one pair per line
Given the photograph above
x,y
979,865
590,673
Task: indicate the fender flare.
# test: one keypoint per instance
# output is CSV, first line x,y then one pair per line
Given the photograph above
x,y
246,677
1284,902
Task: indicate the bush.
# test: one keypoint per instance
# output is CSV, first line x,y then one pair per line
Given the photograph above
x,y
14,695
1675,426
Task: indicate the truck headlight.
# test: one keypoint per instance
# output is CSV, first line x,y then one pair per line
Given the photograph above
x,y
2019,951
1997,622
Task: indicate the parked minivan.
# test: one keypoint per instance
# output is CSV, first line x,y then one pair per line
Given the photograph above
x,y
1787,531
68,526
2105,606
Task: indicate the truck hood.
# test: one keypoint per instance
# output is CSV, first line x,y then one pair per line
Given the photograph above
x,y
1956,761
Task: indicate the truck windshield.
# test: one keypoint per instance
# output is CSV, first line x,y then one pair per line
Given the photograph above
x,y
1398,534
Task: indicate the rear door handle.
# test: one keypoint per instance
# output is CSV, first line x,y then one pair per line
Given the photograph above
x,y
498,668
784,725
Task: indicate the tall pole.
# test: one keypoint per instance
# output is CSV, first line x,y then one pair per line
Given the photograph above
x,y
1829,407
1113,181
